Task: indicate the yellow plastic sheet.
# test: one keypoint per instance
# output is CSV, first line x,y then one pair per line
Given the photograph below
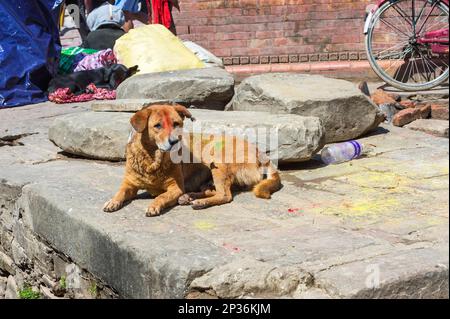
x,y
155,49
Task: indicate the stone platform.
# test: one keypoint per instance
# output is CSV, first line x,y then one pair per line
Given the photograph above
x,y
376,227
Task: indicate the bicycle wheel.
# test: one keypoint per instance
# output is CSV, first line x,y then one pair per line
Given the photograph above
x,y
394,47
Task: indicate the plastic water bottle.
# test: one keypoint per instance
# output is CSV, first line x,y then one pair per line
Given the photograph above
x,y
341,152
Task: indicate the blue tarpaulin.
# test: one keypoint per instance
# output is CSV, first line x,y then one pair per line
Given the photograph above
x,y
29,49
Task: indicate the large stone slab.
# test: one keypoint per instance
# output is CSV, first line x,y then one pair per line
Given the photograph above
x,y
376,227
210,88
103,135
93,135
345,111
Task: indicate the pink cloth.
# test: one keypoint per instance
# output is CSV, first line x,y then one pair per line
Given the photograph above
x,y
61,96
104,58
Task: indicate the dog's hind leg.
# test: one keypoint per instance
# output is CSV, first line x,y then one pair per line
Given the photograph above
x,y
222,195
126,193
265,188
188,198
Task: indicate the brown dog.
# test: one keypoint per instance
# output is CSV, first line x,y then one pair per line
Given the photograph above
x,y
150,166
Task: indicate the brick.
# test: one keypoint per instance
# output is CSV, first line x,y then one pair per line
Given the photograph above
x,y
313,57
304,58
323,57
244,60
333,57
380,97
274,59
425,111
363,56
264,59
227,61
406,104
353,56
343,56
406,116
293,58
283,59
254,60
236,61
439,112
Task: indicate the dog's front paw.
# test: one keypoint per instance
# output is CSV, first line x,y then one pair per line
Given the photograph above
x,y
199,204
185,200
153,211
112,206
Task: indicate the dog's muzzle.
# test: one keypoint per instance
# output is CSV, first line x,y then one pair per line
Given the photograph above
x,y
168,144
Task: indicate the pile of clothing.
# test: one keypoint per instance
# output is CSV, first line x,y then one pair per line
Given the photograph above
x,y
64,95
77,59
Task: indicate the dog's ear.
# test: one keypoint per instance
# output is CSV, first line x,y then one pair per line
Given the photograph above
x,y
183,111
140,119
133,70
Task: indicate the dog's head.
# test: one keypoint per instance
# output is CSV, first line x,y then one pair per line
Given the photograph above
x,y
117,73
163,124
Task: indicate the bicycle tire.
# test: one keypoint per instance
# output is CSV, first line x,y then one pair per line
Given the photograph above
x,y
380,72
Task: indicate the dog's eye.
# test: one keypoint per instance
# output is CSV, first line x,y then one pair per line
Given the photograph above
x,y
158,126
176,124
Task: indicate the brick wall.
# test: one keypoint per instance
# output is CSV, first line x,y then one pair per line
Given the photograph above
x,y
275,31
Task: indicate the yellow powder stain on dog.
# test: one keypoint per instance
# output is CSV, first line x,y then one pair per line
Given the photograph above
x,y
204,225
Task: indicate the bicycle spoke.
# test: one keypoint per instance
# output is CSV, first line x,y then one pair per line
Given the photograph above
x,y
402,14
393,27
436,24
421,12
394,46
406,28
399,59
403,77
426,66
429,14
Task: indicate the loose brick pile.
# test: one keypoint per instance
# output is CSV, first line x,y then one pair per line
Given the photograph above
x,y
416,109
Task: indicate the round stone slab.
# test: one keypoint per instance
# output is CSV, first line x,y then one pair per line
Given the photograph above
x,y
104,135
345,111
207,88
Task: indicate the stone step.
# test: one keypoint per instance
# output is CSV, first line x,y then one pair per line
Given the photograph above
x,y
104,135
376,227
345,111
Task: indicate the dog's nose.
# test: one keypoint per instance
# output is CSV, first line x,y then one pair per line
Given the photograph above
x,y
173,142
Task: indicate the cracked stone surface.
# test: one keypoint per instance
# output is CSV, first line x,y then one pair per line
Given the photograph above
x,y
376,227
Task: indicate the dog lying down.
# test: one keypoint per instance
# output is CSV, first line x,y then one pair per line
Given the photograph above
x,y
149,166
107,78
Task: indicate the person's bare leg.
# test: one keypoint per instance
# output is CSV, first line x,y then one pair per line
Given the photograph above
x,y
128,25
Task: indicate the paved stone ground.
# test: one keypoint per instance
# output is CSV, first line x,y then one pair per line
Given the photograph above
x,y
373,227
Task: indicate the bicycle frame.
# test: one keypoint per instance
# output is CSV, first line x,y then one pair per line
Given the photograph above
x,y
438,39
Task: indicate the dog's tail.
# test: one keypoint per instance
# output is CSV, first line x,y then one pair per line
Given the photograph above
x,y
266,187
